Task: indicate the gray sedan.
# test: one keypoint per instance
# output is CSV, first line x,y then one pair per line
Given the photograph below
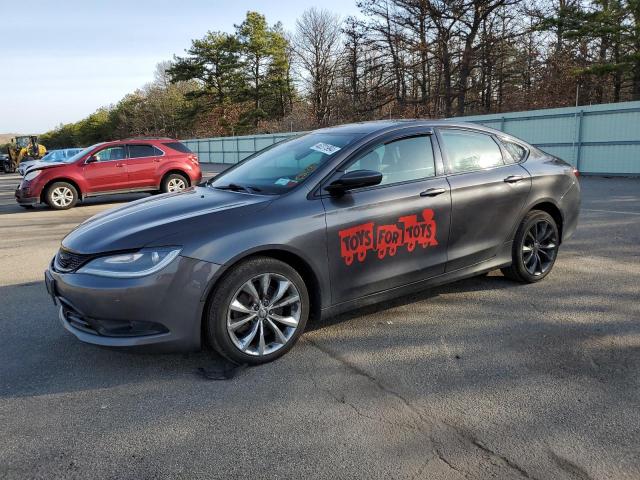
x,y
322,223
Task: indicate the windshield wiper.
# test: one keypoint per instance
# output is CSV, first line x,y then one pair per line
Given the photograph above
x,y
237,188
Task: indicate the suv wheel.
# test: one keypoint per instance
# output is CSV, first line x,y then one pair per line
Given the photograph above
x,y
174,183
535,248
61,196
258,312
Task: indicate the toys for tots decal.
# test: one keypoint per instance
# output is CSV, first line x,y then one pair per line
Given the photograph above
x,y
408,232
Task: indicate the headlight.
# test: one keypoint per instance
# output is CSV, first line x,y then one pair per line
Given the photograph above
x,y
32,175
133,264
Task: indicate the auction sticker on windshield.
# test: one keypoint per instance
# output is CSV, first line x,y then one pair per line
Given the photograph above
x,y
325,148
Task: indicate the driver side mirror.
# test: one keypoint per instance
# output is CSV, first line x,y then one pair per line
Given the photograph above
x,y
91,159
354,179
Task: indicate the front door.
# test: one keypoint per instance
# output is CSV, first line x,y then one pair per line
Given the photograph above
x,y
142,164
391,234
108,172
487,196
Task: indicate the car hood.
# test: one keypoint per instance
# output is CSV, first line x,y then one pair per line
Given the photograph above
x,y
40,165
148,220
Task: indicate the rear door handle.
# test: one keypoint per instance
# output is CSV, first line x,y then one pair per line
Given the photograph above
x,y
157,160
513,178
119,164
432,192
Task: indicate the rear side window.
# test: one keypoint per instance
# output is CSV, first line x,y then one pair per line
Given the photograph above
x,y
399,161
141,151
178,147
515,153
469,151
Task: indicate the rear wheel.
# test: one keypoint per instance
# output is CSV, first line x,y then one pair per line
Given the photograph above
x,y
174,183
61,196
535,248
258,312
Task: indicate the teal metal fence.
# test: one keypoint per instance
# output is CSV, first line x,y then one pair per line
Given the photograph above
x,y
598,139
232,149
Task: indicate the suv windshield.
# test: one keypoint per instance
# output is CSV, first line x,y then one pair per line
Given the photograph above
x,y
60,155
79,155
285,165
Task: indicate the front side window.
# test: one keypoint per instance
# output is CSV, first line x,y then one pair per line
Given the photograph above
x,y
285,165
515,153
399,161
109,154
469,151
141,151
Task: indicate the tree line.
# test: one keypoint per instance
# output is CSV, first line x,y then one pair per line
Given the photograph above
x,y
398,58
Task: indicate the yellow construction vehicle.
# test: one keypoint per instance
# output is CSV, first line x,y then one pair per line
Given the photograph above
x,y
22,148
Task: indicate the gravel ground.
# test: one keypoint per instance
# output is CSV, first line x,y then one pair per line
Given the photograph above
x,y
480,379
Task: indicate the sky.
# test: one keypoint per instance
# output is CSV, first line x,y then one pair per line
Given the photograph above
x,y
62,59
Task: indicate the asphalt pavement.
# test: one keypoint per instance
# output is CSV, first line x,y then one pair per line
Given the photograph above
x,y
484,378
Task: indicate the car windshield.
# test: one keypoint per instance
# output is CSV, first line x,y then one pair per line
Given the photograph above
x,y
284,166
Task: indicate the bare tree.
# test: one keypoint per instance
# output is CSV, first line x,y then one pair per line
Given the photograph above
x,y
317,46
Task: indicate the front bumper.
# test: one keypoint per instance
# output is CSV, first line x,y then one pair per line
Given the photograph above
x,y
24,196
163,309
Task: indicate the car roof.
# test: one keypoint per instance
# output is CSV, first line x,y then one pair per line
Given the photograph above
x,y
380,126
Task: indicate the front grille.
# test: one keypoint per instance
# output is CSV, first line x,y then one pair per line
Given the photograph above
x,y
67,261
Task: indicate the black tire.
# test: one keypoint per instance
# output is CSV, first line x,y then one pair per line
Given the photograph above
x,y
169,180
58,189
525,266
230,286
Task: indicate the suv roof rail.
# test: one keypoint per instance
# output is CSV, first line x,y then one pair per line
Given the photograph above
x,y
148,138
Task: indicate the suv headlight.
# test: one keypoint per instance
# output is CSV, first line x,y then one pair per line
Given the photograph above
x,y
31,175
133,264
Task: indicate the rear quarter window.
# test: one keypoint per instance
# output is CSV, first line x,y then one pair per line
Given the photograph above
x,y
178,147
515,153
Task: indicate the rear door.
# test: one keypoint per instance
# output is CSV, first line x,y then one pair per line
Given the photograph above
x,y
487,195
109,171
143,163
391,234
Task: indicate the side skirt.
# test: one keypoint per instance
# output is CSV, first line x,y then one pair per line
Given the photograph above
x,y
120,192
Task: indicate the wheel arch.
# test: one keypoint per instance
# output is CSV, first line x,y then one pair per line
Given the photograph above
x,y
293,259
176,171
553,210
75,184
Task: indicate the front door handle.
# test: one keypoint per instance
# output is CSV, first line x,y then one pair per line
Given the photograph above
x,y
513,178
432,192
119,164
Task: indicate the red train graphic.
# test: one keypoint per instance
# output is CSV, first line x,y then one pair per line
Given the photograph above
x,y
385,239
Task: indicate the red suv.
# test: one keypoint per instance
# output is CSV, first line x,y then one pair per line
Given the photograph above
x,y
122,166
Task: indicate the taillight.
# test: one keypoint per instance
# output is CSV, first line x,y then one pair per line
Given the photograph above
x,y
576,172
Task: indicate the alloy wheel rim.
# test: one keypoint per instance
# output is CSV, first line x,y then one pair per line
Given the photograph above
x,y
176,184
62,196
264,314
539,248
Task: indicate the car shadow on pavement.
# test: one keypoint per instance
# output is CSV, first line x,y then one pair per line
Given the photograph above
x,y
38,356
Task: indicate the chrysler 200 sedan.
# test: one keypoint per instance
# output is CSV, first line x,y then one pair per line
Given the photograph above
x,y
329,221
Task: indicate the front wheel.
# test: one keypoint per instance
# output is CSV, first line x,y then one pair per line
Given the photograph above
x,y
258,311
61,196
535,248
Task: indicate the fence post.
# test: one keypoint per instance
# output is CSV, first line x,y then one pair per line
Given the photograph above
x,y
502,120
579,151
